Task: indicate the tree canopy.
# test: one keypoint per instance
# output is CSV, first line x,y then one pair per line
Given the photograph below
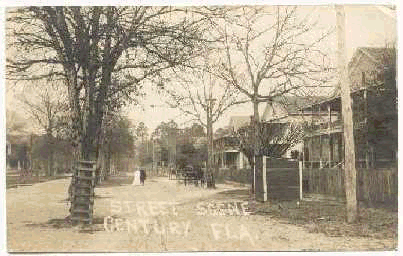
x,y
102,54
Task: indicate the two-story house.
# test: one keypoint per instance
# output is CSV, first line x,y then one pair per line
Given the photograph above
x,y
373,91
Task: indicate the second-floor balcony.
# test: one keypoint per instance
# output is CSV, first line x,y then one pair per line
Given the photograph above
x,y
226,143
332,127
324,127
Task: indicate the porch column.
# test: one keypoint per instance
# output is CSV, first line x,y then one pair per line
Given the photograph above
x,y
303,141
264,179
329,111
320,138
240,160
303,154
366,125
310,157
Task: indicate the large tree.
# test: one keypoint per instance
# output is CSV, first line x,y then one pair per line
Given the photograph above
x,y
264,62
91,48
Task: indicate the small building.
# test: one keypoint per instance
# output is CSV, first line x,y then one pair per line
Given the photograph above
x,y
226,154
18,151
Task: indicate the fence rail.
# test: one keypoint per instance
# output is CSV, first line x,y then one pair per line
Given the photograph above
x,y
374,186
359,163
243,176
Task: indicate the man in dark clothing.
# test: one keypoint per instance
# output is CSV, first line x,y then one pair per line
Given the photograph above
x,y
142,176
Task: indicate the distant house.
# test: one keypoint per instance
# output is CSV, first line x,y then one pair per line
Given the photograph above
x,y
191,150
282,110
18,150
287,109
226,152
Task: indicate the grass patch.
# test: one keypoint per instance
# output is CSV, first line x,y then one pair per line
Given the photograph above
x,y
13,181
116,180
328,216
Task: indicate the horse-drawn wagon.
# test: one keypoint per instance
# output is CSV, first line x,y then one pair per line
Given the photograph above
x,y
196,176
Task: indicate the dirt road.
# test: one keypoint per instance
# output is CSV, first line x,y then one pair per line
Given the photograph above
x,y
160,216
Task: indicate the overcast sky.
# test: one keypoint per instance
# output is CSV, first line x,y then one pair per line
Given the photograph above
x,y
370,26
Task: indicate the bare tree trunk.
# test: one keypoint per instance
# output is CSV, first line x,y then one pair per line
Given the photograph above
x,y
349,150
31,165
50,164
74,103
50,153
252,172
257,188
209,139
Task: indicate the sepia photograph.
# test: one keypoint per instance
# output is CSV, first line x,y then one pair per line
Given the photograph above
x,y
153,128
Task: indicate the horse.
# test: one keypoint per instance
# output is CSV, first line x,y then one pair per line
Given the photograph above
x,y
171,173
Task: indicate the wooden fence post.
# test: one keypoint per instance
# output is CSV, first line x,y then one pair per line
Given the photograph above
x,y
264,179
300,180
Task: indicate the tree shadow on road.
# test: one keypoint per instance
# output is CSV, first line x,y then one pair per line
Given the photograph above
x,y
114,181
233,194
65,223
66,200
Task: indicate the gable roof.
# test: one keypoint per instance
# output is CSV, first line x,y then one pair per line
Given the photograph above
x,y
288,105
223,132
18,139
237,122
375,54
293,104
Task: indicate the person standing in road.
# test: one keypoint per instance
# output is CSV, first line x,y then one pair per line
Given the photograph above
x,y
142,176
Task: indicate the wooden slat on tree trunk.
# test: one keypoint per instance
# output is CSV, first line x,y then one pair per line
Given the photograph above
x,y
83,192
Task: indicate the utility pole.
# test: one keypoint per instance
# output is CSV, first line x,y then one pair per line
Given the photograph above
x,y
346,102
30,153
172,147
153,162
209,107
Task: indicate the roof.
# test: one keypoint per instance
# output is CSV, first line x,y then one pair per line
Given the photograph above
x,y
337,96
293,103
376,54
222,132
200,140
287,105
237,122
18,139
379,55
